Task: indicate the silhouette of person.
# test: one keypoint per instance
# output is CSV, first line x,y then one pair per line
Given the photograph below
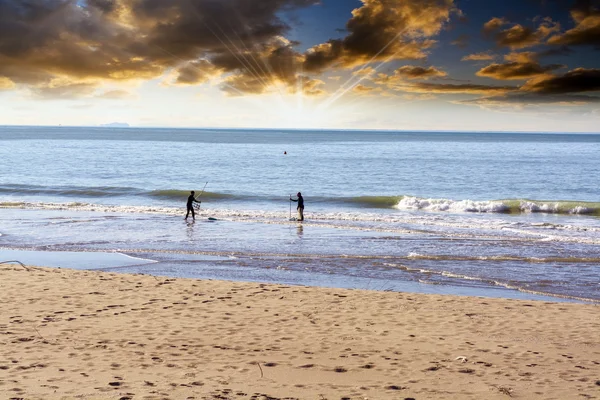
x,y
190,205
300,207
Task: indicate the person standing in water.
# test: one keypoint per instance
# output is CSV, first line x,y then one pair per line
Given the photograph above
x,y
300,207
190,205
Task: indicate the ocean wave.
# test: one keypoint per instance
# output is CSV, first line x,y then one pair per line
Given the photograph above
x,y
183,194
70,191
513,206
399,202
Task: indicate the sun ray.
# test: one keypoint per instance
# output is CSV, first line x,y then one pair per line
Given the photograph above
x,y
342,90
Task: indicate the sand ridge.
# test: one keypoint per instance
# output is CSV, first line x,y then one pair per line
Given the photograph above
x,y
67,334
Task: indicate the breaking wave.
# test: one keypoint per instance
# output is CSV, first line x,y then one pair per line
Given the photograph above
x,y
515,206
19,192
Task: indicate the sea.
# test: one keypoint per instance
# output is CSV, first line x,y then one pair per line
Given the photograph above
x,y
512,214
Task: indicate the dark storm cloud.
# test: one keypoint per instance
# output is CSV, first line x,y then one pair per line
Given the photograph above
x,y
82,41
586,15
562,89
576,81
383,30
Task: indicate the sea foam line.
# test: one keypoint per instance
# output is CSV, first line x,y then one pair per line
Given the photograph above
x,y
404,223
492,282
499,206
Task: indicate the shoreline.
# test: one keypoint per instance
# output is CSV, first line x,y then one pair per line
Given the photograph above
x,y
88,334
122,262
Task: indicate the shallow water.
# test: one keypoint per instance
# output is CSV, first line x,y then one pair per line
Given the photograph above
x,y
427,212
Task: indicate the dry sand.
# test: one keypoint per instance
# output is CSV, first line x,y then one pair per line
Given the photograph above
x,y
88,335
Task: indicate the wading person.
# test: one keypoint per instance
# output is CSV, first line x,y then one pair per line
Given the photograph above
x,y
300,207
190,205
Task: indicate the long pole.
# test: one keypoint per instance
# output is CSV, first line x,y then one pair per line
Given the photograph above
x,y
197,197
202,191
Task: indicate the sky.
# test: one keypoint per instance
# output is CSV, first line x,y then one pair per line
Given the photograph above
x,y
470,65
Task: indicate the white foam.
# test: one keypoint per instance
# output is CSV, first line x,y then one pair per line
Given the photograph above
x,y
493,227
415,203
148,260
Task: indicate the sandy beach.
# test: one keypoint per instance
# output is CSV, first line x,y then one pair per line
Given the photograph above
x,y
69,334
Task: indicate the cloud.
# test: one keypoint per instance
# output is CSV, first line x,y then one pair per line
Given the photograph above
x,y
140,39
276,63
6,84
397,83
578,80
399,77
535,98
62,89
362,89
115,95
483,56
415,72
512,102
367,71
383,30
196,72
547,89
587,30
521,66
494,24
466,88
519,36
309,86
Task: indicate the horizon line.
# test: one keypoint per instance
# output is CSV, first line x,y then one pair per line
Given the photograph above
x,y
107,126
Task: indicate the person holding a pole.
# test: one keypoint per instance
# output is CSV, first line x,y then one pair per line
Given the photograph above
x,y
190,205
300,207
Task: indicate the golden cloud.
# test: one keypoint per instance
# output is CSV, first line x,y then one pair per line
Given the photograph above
x,y
196,72
383,30
115,95
398,83
363,90
416,72
519,36
524,67
494,24
141,39
6,84
63,89
308,87
483,56
465,88
587,31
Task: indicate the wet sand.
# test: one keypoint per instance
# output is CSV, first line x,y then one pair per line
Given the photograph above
x,y
67,334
